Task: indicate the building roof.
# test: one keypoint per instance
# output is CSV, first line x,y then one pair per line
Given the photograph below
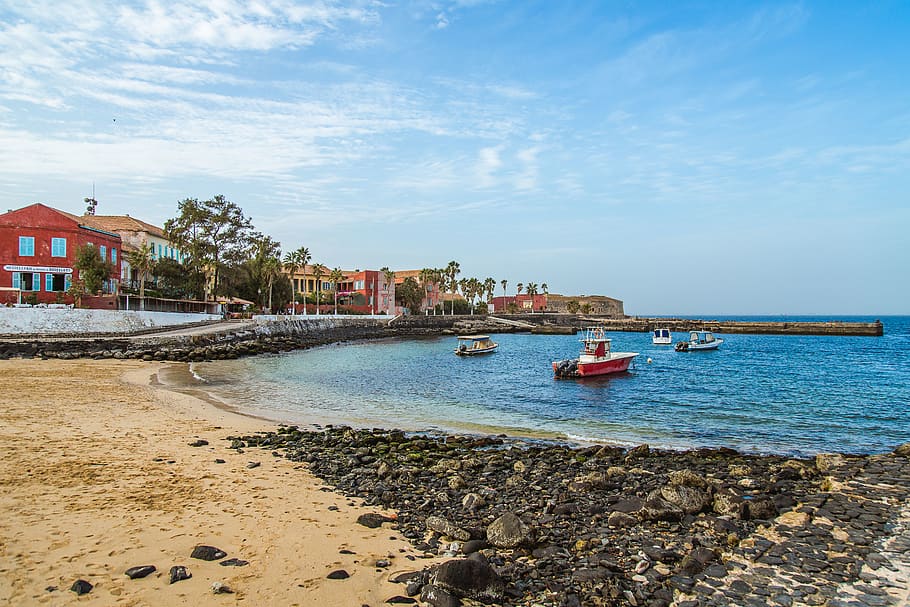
x,y
119,223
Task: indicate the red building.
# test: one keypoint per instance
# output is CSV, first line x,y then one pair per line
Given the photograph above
x,y
38,250
525,303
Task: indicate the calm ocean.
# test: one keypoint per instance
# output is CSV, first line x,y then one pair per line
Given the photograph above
x,y
758,393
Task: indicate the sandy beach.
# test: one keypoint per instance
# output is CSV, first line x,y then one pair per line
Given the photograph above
x,y
97,475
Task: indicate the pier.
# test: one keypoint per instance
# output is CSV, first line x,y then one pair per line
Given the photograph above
x,y
634,324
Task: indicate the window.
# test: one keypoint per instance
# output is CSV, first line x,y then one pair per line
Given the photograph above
x,y
58,247
55,282
358,285
26,281
113,255
103,251
26,245
159,251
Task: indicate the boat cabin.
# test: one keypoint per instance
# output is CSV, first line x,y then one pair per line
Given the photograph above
x,y
474,344
701,337
662,334
595,344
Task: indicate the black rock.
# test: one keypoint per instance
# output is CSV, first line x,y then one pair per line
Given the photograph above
x,y
401,600
438,597
472,577
373,520
81,587
697,560
233,562
207,553
199,443
135,573
178,573
338,574
472,546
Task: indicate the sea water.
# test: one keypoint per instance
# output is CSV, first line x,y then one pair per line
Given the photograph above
x,y
795,395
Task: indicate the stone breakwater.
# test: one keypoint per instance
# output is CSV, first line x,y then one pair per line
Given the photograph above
x,y
529,524
235,340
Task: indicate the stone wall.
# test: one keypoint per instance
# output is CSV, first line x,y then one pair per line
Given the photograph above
x,y
76,321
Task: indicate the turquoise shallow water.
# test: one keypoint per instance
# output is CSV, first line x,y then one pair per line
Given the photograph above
x,y
758,393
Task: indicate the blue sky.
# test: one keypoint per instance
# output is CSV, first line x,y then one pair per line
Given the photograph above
x,y
687,158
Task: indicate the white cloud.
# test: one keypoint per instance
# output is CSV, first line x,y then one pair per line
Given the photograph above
x,y
488,163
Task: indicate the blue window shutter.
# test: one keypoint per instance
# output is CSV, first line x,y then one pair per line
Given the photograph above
x,y
113,255
36,281
48,282
68,282
17,281
103,253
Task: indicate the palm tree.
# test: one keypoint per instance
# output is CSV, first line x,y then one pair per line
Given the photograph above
x,y
504,283
532,291
389,276
336,276
545,290
293,261
519,288
453,270
489,285
465,285
271,269
142,261
319,271
426,277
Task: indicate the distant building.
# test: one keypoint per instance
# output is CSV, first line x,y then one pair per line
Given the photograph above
x,y
38,251
432,295
599,305
134,234
523,301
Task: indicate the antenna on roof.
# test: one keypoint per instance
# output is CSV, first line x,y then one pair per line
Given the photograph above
x,y
91,202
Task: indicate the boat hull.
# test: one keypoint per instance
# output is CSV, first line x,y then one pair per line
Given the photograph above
x,y
617,363
688,346
476,351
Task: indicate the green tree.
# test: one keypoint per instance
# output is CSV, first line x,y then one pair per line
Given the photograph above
x,y
426,278
452,271
389,277
572,307
319,271
489,286
532,291
212,233
142,261
93,270
411,294
585,308
294,261
335,277
176,281
519,288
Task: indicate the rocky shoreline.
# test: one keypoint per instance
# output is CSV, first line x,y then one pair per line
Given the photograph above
x,y
533,523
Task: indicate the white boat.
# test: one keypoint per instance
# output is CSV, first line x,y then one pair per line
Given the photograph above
x,y
699,340
471,345
662,337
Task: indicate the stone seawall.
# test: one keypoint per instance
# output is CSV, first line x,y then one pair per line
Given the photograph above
x,y
250,338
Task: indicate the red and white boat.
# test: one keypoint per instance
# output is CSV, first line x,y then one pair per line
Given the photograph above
x,y
596,358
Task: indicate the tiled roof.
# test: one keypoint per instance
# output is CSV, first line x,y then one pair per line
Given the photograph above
x,y
120,223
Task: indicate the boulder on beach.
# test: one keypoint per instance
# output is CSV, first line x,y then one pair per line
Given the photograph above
x,y
508,531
